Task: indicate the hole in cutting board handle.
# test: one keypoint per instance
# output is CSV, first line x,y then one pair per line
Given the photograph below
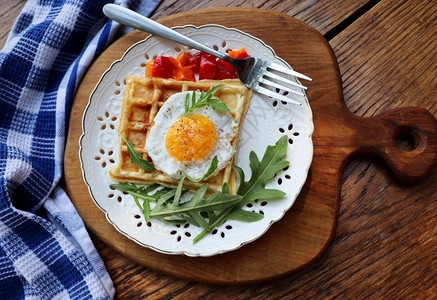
x,y
407,141
406,138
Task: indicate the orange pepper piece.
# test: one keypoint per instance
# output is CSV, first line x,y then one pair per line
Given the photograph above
x,y
149,68
182,58
177,68
238,54
176,63
187,73
182,72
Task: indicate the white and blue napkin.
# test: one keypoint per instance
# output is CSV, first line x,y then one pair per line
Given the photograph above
x,y
45,250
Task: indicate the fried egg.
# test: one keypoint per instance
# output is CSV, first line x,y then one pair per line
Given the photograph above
x,y
179,143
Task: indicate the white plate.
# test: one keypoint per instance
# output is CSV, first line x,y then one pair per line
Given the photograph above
x,y
266,121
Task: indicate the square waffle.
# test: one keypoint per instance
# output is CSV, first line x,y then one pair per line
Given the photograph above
x,y
142,99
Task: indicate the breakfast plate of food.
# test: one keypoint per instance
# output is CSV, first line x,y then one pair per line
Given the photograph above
x,y
193,162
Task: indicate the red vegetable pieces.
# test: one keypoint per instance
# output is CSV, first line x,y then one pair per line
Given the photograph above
x,y
207,66
184,66
224,70
163,67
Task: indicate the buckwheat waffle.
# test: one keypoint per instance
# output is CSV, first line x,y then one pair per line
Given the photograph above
x,y
142,99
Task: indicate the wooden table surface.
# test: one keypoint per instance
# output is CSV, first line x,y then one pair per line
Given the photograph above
x,y
385,243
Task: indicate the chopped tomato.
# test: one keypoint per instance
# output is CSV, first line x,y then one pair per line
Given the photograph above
x,y
238,54
207,67
163,67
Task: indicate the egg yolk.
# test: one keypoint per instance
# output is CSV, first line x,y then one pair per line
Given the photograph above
x,y
191,138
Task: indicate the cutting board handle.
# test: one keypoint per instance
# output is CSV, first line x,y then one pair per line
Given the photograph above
x,y
405,138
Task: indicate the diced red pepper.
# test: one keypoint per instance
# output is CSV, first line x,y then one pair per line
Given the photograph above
x,y
194,60
207,67
225,70
227,65
184,66
163,67
209,56
222,73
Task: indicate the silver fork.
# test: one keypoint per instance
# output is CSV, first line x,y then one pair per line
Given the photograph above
x,y
255,73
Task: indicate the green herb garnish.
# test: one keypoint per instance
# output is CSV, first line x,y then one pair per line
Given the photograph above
x,y
262,172
212,211
195,210
143,194
136,157
204,99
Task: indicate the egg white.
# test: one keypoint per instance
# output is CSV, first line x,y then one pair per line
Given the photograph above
x,y
173,110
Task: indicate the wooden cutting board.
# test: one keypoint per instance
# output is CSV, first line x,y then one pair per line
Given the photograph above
x,y
305,231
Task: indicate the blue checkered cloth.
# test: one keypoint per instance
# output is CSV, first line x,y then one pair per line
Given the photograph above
x,y
45,250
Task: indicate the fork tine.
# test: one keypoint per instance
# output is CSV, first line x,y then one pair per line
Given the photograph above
x,y
284,88
285,80
287,71
274,95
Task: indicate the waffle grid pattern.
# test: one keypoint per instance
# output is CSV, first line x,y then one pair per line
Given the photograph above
x,y
142,99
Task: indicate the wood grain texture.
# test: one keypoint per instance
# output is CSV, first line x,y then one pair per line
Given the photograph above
x,y
385,244
8,13
388,58
322,15
385,241
292,243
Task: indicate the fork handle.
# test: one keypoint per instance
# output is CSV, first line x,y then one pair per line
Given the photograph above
x,y
133,19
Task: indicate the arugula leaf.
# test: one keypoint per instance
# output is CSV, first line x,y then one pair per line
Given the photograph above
x,y
209,212
210,170
191,210
141,193
136,157
244,215
262,171
204,99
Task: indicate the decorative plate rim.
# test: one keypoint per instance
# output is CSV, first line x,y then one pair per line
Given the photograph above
x,y
220,251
